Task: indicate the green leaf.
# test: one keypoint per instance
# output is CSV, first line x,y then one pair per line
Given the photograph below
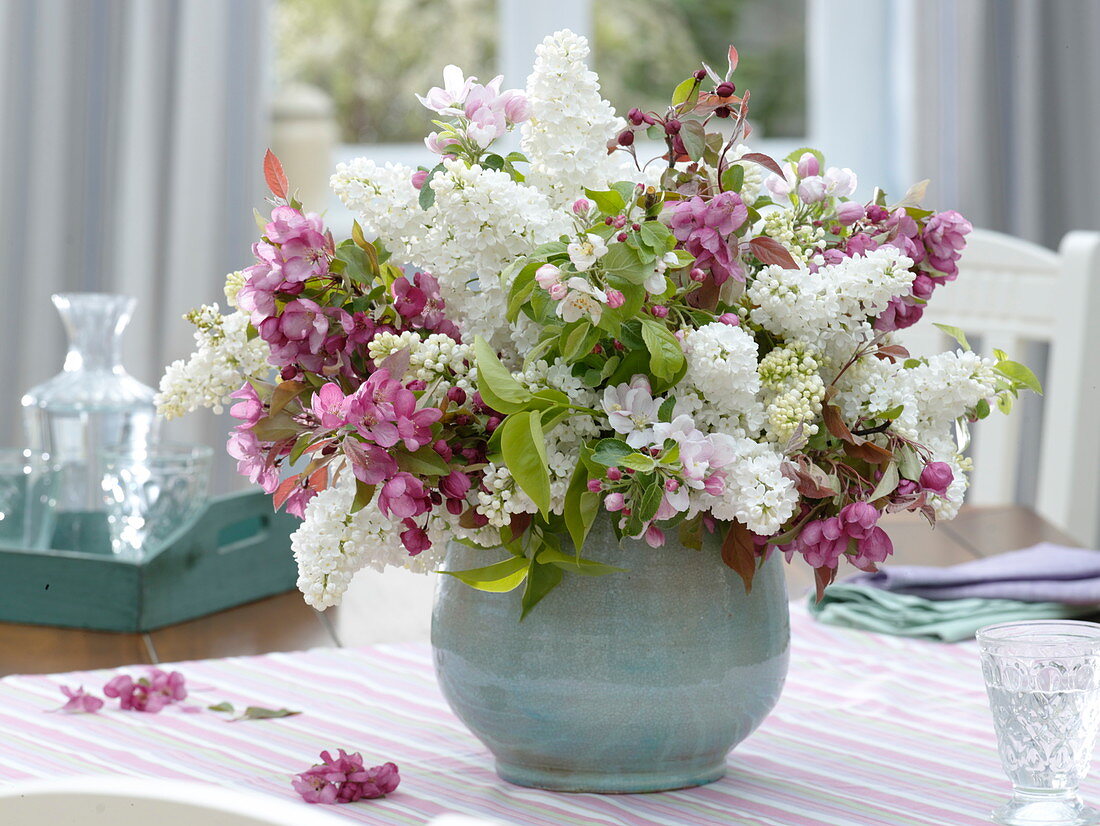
x,y
909,464
657,236
623,261
638,461
981,409
575,565
579,341
541,580
664,412
608,202
523,285
506,575
955,333
581,504
694,137
683,91
424,462
364,493
1020,375
523,447
496,385
888,483
666,356
226,707
733,178
610,452
427,194
892,413
691,533
300,447
258,713
650,502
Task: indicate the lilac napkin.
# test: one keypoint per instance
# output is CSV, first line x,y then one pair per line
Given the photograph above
x,y
1041,573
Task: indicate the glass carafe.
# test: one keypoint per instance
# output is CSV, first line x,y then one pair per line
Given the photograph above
x,y
92,407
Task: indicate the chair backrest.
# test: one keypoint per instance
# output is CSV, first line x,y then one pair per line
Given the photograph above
x,y
114,801
1009,293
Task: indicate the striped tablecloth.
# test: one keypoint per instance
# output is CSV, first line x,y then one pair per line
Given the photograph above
x,y
870,730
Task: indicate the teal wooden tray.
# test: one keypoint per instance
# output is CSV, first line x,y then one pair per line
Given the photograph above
x,y
236,552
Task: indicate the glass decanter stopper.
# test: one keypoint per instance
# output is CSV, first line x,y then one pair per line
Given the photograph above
x,y
92,407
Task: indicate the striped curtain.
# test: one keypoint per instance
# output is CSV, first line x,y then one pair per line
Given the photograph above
x,y
131,138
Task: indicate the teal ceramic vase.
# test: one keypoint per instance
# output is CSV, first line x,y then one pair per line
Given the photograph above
x,y
633,682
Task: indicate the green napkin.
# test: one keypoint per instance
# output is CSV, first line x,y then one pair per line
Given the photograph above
x,y
950,620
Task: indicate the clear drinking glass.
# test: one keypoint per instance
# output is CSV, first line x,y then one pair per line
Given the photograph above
x,y
152,493
28,493
1043,680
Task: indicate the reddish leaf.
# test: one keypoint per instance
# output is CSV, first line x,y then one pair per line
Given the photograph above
x,y
770,251
282,493
765,161
318,480
835,424
893,352
732,54
274,175
823,577
285,392
739,553
869,452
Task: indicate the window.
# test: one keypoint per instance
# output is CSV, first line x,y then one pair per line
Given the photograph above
x,y
372,56
770,36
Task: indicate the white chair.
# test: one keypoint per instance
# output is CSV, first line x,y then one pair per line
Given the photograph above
x,y
92,801
1011,292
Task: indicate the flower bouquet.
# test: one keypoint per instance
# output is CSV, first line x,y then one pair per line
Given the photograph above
x,y
514,346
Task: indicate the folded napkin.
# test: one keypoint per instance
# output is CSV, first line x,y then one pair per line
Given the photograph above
x,y
1045,581
869,608
1041,573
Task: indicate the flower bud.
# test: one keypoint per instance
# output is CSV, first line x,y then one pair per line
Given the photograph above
x,y
492,424
626,138
808,165
700,74
937,477
547,276
558,291
730,319
418,178
673,127
848,212
581,206
635,116
722,112
698,275
659,311
811,190
614,501
614,474
595,485
457,395
724,90
619,221
621,237
615,299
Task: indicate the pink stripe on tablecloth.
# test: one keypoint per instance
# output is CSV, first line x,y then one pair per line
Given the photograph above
x,y
870,730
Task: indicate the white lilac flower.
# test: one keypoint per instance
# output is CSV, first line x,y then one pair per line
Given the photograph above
x,y
566,138
794,391
583,300
632,411
480,222
587,251
828,308
721,366
224,357
756,492
429,358
332,544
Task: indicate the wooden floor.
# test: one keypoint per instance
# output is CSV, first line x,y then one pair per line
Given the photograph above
x,y
285,623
